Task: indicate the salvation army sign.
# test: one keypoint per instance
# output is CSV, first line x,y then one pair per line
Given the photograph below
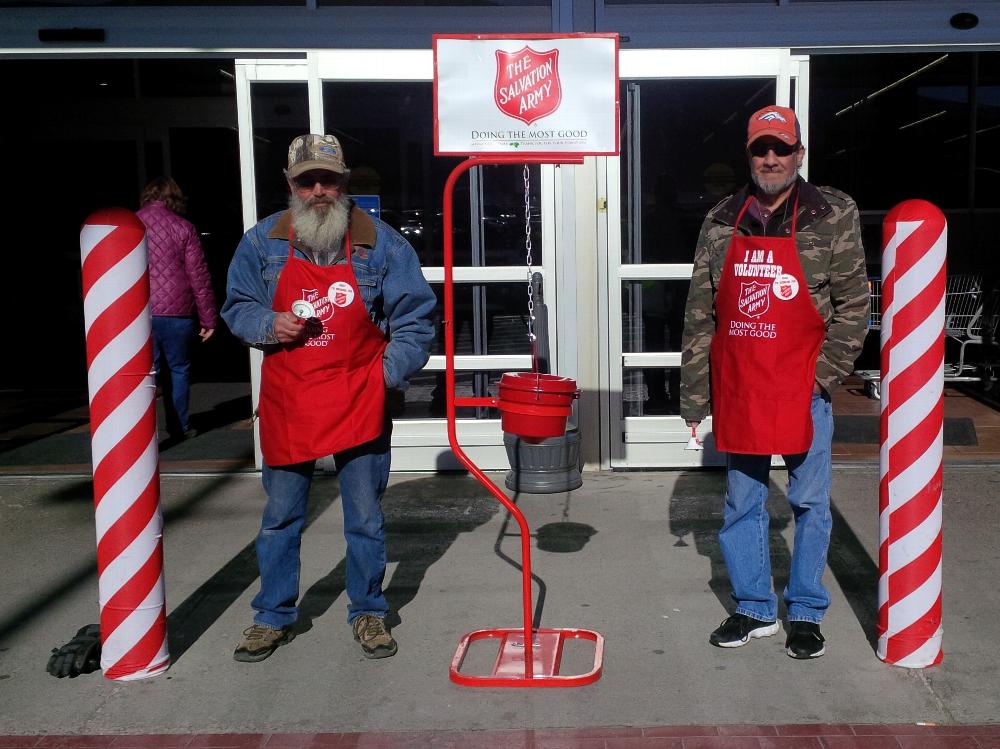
x,y
528,86
534,93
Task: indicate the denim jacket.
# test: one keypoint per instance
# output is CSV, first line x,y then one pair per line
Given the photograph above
x,y
396,295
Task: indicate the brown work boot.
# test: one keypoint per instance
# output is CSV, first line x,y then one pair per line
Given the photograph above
x,y
376,642
259,641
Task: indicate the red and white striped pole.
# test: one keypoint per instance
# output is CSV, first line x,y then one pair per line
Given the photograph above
x,y
123,440
914,242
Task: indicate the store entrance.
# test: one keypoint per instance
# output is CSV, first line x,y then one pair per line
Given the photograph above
x,y
683,128
85,134
380,106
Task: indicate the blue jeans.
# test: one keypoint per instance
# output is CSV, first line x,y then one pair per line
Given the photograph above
x,y
363,472
744,534
172,337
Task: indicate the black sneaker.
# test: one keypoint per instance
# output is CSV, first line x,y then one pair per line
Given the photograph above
x,y
738,629
804,641
259,641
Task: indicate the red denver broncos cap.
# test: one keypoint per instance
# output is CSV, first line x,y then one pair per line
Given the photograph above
x,y
778,122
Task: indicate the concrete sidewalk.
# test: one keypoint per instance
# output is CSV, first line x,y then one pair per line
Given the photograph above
x,y
631,555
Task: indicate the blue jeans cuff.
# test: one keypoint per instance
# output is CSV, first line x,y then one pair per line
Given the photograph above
x,y
355,614
270,621
754,614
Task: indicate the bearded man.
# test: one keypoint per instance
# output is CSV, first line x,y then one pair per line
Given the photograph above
x,y
337,302
776,314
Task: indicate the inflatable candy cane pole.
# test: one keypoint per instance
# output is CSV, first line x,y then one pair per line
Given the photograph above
x,y
123,439
912,416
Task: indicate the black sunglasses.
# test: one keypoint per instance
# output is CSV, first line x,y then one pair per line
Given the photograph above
x,y
759,148
326,178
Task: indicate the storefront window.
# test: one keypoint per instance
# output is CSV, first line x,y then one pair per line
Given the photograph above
x,y
280,113
888,127
652,321
682,152
386,130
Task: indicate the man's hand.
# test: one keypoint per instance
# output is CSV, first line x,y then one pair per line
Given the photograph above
x,y
81,655
206,333
288,328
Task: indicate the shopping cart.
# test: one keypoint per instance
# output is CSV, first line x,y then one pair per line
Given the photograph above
x,y
875,316
963,324
963,316
872,377
989,323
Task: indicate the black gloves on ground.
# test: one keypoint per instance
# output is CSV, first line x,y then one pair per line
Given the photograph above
x,y
81,655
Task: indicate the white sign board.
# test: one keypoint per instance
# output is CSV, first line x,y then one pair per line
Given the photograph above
x,y
535,93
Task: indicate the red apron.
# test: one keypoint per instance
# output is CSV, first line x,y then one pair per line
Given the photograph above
x,y
325,394
763,357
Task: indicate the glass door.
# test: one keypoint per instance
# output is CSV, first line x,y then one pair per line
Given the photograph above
x,y
684,120
272,107
379,105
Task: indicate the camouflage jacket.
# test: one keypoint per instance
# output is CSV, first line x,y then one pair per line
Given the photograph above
x,y
828,236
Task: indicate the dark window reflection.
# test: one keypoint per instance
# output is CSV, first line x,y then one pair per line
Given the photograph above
x,y
386,130
280,113
502,214
889,127
425,398
652,315
489,318
652,321
187,78
120,123
682,152
651,392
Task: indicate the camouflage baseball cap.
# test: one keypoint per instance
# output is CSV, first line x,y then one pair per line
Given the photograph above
x,y
315,152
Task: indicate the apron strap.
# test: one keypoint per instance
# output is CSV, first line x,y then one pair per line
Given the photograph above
x,y
746,204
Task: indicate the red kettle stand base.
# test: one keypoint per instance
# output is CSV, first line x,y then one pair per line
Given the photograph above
x,y
509,667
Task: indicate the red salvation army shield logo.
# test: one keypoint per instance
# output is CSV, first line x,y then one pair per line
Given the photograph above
x,y
785,286
340,293
527,86
754,298
324,310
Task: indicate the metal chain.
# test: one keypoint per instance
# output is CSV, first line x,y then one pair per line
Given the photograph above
x,y
527,251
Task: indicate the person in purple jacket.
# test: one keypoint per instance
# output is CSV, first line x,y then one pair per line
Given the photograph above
x,y
180,293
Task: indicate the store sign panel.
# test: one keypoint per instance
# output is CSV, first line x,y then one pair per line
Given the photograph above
x,y
535,93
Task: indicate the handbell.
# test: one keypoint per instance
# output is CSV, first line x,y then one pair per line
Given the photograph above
x,y
694,443
303,309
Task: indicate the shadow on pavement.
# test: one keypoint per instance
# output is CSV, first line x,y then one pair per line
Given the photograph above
x,y
423,517
856,573
696,511
82,491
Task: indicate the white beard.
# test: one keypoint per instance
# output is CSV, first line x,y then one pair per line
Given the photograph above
x,y
775,188
321,227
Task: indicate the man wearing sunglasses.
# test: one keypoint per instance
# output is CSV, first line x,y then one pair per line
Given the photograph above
x,y
338,304
776,314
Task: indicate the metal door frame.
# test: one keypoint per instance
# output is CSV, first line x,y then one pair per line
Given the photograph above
x,y
659,441
420,444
